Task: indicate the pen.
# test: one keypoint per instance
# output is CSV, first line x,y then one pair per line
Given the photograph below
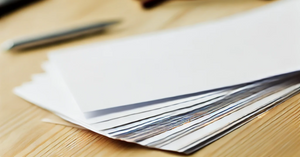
x,y
32,42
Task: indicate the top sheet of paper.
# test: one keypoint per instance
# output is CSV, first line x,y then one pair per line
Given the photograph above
x,y
243,48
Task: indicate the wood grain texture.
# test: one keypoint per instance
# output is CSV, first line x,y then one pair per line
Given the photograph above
x,y
23,134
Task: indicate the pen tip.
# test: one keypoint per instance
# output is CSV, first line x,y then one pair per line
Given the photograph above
x,y
7,45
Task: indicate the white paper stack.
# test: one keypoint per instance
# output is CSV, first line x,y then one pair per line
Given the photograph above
x,y
180,89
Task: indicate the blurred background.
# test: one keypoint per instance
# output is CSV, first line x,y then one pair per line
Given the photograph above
x,y
49,15
20,121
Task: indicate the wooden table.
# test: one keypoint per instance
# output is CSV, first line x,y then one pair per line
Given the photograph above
x,y
23,134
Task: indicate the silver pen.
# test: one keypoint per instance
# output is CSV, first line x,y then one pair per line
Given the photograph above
x,y
31,42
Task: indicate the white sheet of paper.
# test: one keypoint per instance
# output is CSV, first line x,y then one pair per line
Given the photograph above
x,y
61,92
243,48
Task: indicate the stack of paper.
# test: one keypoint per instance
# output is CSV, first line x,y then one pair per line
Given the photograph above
x,y
180,89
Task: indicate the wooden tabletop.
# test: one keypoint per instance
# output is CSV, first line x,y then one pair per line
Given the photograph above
x,y
22,133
